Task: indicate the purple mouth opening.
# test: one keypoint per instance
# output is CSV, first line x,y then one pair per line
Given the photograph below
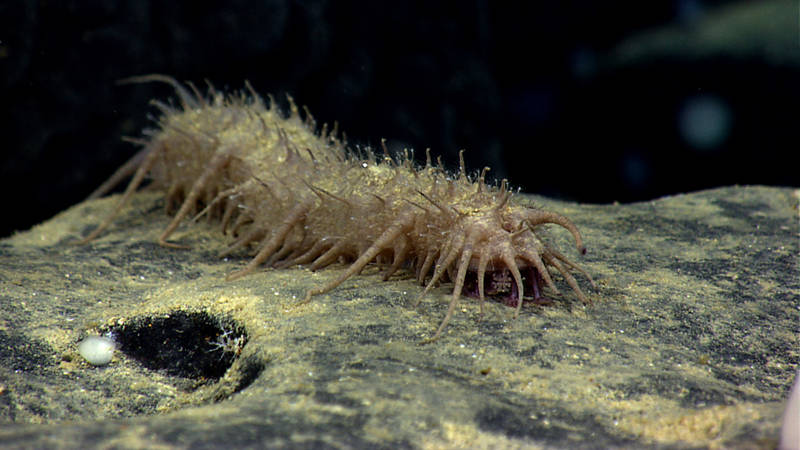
x,y
499,285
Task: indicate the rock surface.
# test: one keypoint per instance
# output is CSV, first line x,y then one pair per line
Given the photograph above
x,y
692,339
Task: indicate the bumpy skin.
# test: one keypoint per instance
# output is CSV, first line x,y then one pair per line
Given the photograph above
x,y
302,197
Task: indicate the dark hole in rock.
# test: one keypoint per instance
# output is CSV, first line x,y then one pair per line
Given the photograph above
x,y
185,344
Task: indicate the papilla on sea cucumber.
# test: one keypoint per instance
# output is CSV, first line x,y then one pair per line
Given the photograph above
x,y
300,196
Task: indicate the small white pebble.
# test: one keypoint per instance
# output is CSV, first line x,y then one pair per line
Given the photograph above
x,y
97,350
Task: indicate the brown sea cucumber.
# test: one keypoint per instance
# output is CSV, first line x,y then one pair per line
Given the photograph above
x,y
301,196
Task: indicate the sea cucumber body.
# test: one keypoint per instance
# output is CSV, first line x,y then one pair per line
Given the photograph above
x,y
302,197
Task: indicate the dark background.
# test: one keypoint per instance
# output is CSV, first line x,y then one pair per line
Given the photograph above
x,y
582,100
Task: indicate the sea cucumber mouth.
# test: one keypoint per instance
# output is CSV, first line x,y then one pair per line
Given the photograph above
x,y
499,285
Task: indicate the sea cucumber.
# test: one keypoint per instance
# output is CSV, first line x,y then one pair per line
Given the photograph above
x,y
301,196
